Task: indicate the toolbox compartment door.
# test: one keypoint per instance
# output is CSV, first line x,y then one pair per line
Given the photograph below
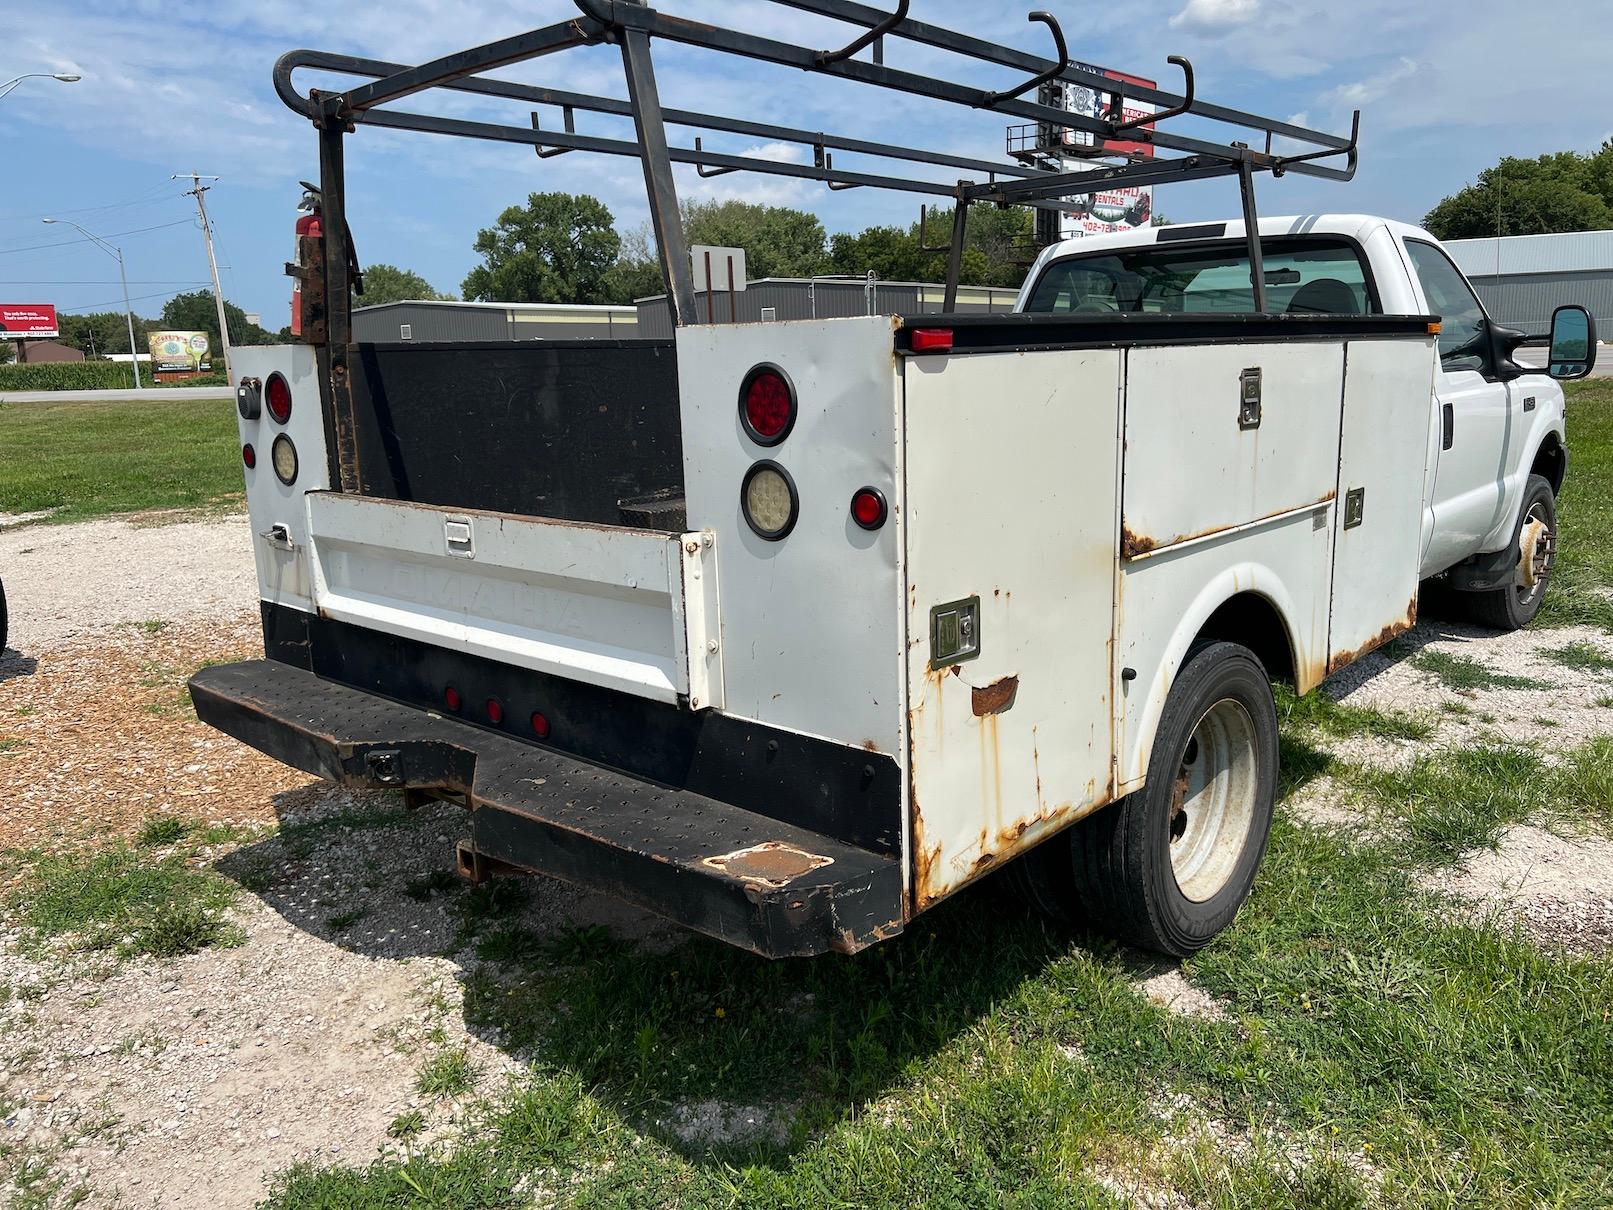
x,y
615,607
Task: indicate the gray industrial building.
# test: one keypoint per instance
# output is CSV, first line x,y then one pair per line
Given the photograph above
x,y
1523,278
435,321
771,298
823,298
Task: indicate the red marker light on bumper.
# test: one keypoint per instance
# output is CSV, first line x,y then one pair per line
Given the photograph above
x,y
451,699
540,725
931,340
495,711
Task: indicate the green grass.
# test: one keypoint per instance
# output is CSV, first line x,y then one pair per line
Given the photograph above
x,y
1585,522
123,898
1461,673
449,1074
94,459
1587,657
1322,713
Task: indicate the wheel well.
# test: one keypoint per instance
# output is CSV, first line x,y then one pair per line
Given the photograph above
x,y
1253,621
1550,464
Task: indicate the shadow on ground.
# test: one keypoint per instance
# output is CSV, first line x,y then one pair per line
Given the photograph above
x,y
717,1053
14,664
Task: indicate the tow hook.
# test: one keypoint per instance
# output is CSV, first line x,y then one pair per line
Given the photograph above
x,y
382,766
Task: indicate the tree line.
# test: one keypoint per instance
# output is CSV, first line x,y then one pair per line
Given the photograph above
x,y
1564,191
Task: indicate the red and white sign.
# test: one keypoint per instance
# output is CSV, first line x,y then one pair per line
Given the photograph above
x,y
1093,103
28,321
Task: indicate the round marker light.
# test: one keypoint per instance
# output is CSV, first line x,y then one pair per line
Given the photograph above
x,y
451,699
284,457
495,711
540,725
249,455
769,501
277,394
868,508
767,405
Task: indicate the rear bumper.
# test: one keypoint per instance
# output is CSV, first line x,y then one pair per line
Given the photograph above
x,y
769,887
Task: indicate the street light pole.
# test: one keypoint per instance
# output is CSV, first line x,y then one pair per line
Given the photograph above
x,y
128,312
66,77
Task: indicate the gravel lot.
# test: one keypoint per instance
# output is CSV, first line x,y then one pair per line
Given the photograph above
x,y
188,1082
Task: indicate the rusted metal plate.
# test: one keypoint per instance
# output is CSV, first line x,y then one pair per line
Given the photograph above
x,y
773,863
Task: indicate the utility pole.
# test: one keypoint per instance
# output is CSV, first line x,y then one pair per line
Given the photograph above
x,y
128,311
196,190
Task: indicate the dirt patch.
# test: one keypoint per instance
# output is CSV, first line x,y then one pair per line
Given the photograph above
x,y
1557,890
97,735
1164,983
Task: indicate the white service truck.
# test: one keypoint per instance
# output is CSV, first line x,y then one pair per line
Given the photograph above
x,y
790,630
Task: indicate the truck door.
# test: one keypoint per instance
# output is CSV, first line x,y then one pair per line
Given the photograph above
x,y
1475,420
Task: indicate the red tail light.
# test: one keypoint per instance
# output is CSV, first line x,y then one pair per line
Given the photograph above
x,y
249,456
540,725
931,340
767,405
495,711
451,699
277,394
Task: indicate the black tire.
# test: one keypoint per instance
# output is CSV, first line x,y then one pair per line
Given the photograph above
x,y
1114,869
1512,607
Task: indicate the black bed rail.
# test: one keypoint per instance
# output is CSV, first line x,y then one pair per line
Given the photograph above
x,y
632,26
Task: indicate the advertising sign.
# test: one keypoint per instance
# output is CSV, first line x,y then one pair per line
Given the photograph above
x,y
1105,212
180,352
1093,103
28,321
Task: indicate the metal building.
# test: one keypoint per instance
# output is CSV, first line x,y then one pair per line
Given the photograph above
x,y
441,321
1523,278
822,298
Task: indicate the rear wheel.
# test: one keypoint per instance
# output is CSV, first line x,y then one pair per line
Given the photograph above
x,y
1168,867
1513,606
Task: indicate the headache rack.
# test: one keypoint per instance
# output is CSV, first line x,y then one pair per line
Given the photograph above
x,y
633,26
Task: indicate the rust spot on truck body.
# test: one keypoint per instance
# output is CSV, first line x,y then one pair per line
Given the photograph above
x,y
995,698
771,863
1343,659
1134,545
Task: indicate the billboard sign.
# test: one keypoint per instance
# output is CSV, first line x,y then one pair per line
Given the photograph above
x,y
1107,212
180,352
28,321
1094,103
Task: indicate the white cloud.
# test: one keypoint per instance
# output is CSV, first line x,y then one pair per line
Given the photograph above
x,y
1215,14
1360,93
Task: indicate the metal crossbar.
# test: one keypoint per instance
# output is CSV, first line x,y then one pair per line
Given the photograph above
x,y
632,26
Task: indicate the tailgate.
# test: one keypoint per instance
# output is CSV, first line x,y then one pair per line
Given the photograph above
x,y
620,608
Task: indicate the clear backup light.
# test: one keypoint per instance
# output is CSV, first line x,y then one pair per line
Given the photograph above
x,y
769,500
283,456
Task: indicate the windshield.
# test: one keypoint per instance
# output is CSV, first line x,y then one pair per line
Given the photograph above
x,y
1303,277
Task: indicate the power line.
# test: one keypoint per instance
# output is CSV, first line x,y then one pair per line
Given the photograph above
x,y
115,302
184,222
162,194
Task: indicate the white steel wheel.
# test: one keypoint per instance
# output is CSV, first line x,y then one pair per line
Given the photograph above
x,y
1213,800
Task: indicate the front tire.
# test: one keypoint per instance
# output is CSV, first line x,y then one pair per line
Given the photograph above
x,y
1513,606
1168,868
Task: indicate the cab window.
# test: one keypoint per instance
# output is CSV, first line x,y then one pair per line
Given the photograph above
x,y
1303,277
1464,335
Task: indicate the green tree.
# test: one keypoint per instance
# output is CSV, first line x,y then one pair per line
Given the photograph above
x,y
996,249
385,283
101,332
558,248
195,312
1564,191
779,241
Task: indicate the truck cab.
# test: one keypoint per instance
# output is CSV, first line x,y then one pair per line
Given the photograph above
x,y
1497,450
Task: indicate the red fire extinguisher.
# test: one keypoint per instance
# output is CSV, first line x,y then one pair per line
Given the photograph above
x,y
307,225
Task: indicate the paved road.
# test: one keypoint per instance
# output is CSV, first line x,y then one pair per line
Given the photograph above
x,y
125,393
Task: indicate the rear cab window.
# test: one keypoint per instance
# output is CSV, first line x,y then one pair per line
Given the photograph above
x,y
1308,276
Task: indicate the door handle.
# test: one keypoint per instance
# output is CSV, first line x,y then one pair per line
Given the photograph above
x,y
1448,426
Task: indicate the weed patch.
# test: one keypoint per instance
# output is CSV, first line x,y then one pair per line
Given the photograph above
x,y
1587,657
1461,673
1324,714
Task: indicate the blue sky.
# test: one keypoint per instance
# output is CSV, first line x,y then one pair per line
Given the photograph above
x,y
183,85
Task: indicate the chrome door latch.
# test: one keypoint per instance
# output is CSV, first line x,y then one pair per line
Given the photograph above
x,y
1249,398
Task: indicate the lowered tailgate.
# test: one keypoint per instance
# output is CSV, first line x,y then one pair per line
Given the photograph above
x,y
615,607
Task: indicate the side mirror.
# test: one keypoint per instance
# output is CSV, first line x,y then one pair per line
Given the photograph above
x,y
1573,343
